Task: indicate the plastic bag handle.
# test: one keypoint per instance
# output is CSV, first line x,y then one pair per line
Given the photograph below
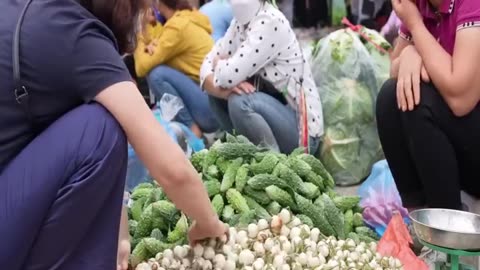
x,y
357,29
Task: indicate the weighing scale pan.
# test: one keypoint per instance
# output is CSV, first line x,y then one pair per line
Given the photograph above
x,y
451,229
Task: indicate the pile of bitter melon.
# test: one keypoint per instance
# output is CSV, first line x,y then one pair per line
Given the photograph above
x,y
248,183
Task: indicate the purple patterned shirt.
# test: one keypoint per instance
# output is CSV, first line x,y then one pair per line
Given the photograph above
x,y
443,24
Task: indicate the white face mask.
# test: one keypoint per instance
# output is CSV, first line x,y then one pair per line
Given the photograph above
x,y
245,10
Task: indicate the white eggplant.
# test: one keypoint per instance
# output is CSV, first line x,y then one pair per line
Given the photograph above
x,y
219,261
252,230
258,264
282,244
285,216
209,253
246,257
262,224
230,265
259,249
198,250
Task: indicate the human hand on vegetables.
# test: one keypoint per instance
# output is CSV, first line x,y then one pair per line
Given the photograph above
x,y
124,248
207,230
410,70
408,12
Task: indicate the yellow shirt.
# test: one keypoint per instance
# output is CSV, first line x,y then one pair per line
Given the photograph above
x,y
182,43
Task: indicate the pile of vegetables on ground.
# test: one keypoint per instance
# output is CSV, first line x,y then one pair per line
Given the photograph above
x,y
284,243
248,183
349,72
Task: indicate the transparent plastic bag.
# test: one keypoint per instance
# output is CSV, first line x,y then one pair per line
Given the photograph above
x,y
136,172
169,106
165,112
348,78
380,198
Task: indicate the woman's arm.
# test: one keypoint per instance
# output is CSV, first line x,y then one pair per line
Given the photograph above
x,y
164,159
264,41
395,57
457,77
212,90
220,49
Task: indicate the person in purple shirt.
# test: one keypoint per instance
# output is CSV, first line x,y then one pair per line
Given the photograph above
x,y
65,117
428,113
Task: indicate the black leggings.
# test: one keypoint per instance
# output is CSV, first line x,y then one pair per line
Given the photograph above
x,y
432,154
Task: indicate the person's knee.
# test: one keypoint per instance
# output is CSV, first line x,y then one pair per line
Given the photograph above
x,y
158,74
102,133
430,97
157,80
239,104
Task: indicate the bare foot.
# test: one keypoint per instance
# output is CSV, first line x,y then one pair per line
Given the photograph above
x,y
123,254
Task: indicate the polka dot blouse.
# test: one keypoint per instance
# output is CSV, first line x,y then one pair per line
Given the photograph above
x,y
267,47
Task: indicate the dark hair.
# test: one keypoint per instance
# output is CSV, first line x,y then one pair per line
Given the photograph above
x,y
177,4
121,16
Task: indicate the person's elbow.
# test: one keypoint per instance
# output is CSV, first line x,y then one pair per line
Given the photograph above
x,y
207,83
461,105
460,96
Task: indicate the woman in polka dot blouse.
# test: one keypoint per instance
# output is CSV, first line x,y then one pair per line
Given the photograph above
x,y
429,114
256,77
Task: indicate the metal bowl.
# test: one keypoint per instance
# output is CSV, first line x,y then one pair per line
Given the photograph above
x,y
447,228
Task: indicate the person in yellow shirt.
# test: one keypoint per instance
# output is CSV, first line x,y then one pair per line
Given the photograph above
x,y
170,53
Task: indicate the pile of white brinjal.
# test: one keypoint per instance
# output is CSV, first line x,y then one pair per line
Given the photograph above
x,y
282,244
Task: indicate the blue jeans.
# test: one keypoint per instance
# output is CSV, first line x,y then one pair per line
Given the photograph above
x,y
164,79
262,119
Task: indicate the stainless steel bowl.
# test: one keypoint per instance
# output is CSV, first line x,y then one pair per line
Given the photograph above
x,y
447,228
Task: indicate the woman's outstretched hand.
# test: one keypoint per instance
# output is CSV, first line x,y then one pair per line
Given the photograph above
x,y
207,230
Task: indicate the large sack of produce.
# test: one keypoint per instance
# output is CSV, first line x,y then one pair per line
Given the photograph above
x,y
349,71
378,48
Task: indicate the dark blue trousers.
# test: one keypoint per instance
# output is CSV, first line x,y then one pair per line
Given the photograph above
x,y
61,197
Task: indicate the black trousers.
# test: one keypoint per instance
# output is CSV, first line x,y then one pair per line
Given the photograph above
x,y
314,16
432,154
